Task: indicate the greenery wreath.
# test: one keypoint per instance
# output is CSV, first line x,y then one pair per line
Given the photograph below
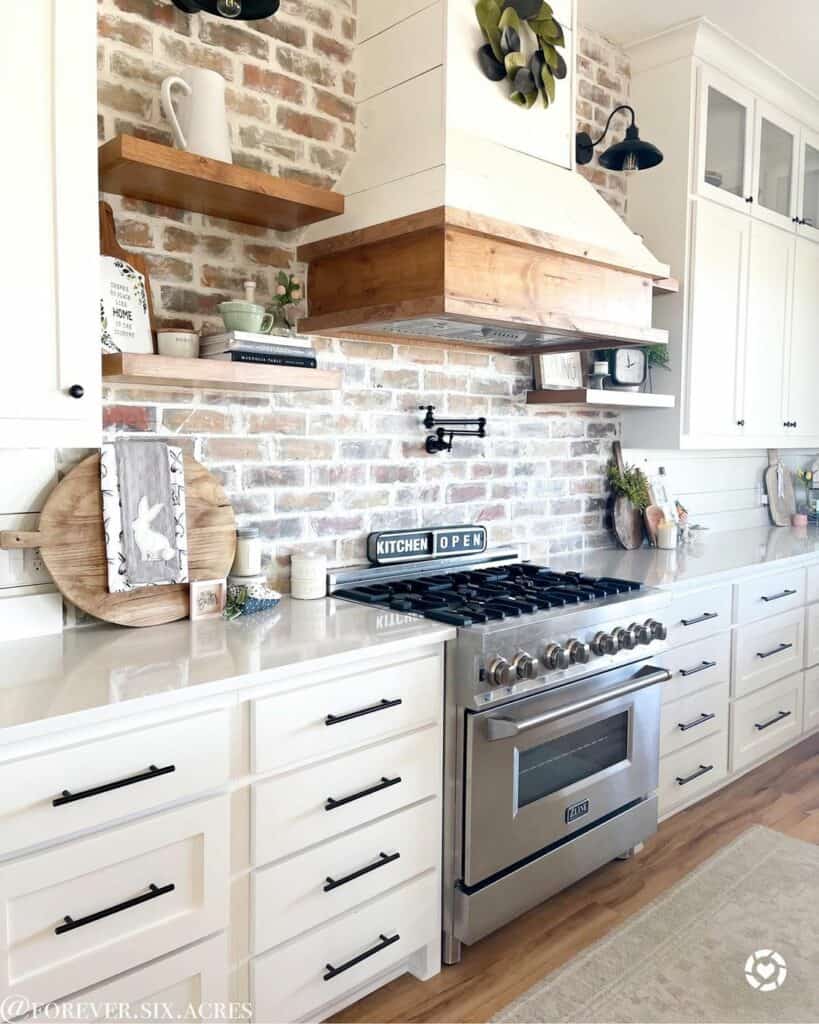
x,y
502,56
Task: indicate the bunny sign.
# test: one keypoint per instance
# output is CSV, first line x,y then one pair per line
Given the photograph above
x,y
143,503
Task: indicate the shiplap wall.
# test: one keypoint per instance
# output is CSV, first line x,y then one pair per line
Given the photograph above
x,y
723,489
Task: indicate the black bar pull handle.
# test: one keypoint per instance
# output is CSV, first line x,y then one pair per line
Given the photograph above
x,y
382,705
776,650
331,803
383,860
703,769
702,667
778,597
154,892
705,617
772,721
67,797
685,726
333,972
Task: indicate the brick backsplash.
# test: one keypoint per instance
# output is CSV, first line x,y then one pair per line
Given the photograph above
x,y
323,469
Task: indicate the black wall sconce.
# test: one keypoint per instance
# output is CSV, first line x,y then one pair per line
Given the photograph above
x,y
441,440
631,154
247,10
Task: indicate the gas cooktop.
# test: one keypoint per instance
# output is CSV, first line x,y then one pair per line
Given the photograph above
x,y
474,596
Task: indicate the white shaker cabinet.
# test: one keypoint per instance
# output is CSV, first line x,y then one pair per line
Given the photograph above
x,y
49,274
807,203
802,406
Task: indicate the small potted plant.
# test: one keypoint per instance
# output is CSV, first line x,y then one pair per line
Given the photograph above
x,y
288,293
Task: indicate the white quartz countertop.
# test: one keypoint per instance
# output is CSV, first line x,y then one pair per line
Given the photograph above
x,y
712,557
85,675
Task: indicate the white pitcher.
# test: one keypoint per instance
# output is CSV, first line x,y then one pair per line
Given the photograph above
x,y
201,126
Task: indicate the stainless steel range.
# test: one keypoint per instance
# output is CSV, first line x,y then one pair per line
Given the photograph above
x,y
552,724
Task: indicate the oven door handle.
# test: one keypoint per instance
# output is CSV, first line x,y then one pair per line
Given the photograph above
x,y
506,728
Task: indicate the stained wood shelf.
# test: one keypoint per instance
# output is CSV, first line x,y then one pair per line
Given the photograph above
x,y
666,286
598,397
145,170
193,374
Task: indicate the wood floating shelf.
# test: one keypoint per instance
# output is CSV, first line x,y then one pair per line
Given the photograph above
x,y
601,397
145,170
194,374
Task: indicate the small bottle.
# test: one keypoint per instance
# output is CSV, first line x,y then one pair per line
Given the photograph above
x,y
248,560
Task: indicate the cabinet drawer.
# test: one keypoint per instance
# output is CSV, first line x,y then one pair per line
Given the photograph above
x,y
765,721
692,770
109,779
688,720
164,990
812,588
811,635
347,712
297,980
695,666
87,910
811,714
297,809
767,651
761,596
695,615
297,894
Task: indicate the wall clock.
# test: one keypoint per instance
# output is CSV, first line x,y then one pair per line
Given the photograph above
x,y
627,367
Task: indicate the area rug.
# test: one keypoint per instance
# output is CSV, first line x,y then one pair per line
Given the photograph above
x,y
735,940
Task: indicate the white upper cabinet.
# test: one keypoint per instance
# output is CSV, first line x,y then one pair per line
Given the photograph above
x,y
807,202
49,280
725,120
776,160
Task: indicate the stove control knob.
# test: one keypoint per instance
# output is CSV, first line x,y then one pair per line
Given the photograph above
x,y
604,643
525,665
643,633
501,673
626,639
658,630
556,656
578,652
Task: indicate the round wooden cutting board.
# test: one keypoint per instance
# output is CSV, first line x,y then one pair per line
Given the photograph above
x,y
72,544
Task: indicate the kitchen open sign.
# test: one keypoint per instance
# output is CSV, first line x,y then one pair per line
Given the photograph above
x,y
414,545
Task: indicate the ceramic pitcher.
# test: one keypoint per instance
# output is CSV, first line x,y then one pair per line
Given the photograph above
x,y
194,104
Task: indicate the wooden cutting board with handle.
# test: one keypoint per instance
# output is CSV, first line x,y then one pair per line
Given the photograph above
x,y
72,544
781,499
627,520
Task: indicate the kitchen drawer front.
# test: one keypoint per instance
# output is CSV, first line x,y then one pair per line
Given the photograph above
x,y
696,666
767,651
765,721
345,713
692,770
291,983
297,894
761,596
812,588
190,755
811,715
688,720
295,810
812,635
103,883
693,616
163,990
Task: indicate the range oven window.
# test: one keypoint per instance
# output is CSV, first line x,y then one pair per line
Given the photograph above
x,y
571,757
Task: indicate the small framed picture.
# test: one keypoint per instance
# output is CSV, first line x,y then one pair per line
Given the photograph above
x,y
559,372
125,324
208,599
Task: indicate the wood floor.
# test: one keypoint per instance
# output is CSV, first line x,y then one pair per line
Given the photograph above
x,y
782,794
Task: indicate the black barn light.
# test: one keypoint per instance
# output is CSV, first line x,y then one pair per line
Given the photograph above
x,y
631,154
247,10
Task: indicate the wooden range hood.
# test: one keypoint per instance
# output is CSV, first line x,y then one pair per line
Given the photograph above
x,y
451,277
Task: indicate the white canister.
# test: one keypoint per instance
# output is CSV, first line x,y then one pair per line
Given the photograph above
x,y
248,559
667,536
178,344
308,576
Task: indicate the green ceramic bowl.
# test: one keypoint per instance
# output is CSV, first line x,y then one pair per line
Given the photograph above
x,y
245,316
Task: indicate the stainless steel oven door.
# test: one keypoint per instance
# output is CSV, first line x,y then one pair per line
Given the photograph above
x,y
543,767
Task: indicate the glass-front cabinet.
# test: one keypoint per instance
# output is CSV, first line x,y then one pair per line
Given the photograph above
x,y
724,140
807,200
776,158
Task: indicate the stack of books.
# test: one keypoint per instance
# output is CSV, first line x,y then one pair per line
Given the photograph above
x,y
246,347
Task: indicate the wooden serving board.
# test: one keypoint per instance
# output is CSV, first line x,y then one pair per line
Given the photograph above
x,y
781,508
72,544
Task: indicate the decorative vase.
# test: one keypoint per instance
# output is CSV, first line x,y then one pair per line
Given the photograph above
x,y
281,324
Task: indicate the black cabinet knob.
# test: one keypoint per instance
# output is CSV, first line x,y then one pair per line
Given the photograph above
x,y
795,220
749,199
76,391
740,423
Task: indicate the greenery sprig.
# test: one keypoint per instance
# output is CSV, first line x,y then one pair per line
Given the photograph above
x,y
631,482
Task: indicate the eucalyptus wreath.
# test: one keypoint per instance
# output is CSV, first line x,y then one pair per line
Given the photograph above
x,y
505,24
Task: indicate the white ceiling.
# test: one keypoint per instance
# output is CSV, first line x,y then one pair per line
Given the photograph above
x,y
784,33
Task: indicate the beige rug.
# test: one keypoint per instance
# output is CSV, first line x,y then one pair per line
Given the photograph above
x,y
683,958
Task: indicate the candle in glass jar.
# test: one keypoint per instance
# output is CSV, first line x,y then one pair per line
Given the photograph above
x,y
248,559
